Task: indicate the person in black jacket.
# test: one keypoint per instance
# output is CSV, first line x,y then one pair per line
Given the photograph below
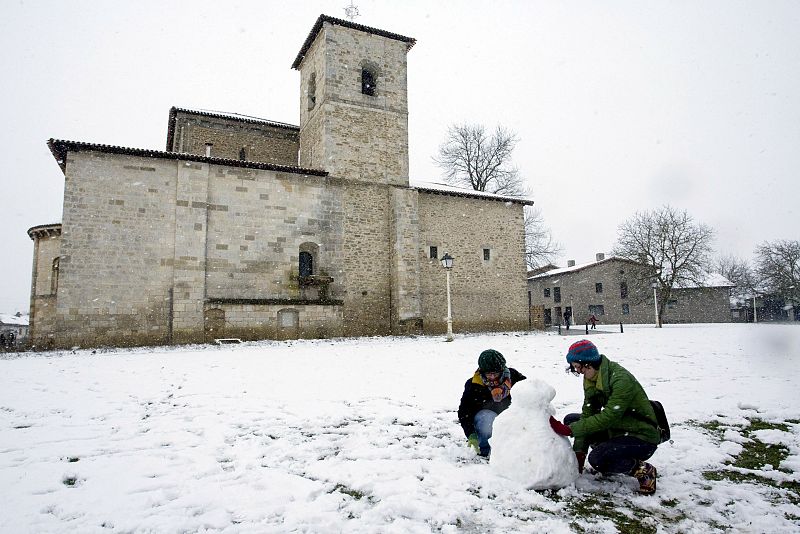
x,y
486,394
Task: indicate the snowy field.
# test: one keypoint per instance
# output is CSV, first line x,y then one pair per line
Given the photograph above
x,y
360,435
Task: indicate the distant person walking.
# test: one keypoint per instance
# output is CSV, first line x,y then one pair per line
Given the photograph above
x,y
593,321
567,317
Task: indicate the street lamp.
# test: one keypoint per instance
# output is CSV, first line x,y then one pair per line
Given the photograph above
x,y
654,285
447,263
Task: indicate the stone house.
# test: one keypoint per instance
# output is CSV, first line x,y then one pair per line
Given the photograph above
x,y
13,331
256,229
608,288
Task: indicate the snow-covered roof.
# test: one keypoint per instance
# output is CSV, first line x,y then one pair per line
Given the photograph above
x,y
447,189
8,319
710,280
578,267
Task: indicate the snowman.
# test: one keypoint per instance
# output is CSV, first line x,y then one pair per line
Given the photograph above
x,y
525,448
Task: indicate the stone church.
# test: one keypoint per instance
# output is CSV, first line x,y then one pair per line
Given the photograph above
x,y
252,229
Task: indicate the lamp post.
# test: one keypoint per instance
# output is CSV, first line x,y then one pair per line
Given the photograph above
x,y
447,263
654,285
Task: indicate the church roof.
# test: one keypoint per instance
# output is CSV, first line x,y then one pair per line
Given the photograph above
x,y
445,189
347,24
59,149
173,115
44,230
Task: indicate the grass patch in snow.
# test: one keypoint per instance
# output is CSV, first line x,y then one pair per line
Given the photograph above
x,y
747,467
627,519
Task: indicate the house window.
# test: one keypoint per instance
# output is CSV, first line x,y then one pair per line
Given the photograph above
x,y
54,277
626,309
556,294
623,290
598,287
243,154
597,310
434,253
306,264
312,90
548,316
547,292
486,254
367,82
671,304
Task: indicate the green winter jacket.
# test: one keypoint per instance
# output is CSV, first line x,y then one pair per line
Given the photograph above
x,y
615,404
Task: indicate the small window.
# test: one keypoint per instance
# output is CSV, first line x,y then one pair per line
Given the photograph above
x,y
367,82
671,304
54,277
626,309
597,310
312,90
598,287
243,154
547,292
623,290
486,254
434,253
556,294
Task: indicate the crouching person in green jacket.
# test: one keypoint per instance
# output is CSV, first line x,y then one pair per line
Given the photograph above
x,y
486,394
617,420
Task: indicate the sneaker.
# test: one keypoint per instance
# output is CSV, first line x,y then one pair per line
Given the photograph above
x,y
646,475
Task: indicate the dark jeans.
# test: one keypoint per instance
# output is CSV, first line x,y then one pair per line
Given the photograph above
x,y
614,455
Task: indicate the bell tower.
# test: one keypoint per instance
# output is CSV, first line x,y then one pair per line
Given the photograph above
x,y
354,102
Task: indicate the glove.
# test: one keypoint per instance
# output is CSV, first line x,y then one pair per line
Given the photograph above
x,y
559,428
472,441
581,457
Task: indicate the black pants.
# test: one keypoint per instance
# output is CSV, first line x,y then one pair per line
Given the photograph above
x,y
614,455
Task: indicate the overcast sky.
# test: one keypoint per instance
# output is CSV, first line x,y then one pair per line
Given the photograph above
x,y
619,106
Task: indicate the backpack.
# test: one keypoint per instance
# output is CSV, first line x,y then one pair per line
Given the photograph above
x,y
661,418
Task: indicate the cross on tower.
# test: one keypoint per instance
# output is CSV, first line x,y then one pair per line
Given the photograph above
x,y
351,11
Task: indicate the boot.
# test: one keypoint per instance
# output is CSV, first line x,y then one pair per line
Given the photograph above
x,y
646,475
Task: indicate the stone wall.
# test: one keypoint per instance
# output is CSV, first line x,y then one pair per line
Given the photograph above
x,y
487,295
347,133
118,245
700,305
579,291
262,141
43,291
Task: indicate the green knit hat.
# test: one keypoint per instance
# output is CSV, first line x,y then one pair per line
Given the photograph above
x,y
491,361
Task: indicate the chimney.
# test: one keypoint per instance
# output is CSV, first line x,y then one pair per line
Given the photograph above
x,y
570,263
600,256
208,149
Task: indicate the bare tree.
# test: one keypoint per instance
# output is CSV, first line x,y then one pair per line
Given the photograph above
x,y
778,266
472,159
739,272
674,250
540,248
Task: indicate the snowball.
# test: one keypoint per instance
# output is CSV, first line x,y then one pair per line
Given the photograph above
x,y
525,448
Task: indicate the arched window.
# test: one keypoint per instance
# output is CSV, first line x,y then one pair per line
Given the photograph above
x,y
54,277
306,264
368,82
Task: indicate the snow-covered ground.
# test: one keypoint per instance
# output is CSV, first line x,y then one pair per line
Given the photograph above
x,y
360,435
